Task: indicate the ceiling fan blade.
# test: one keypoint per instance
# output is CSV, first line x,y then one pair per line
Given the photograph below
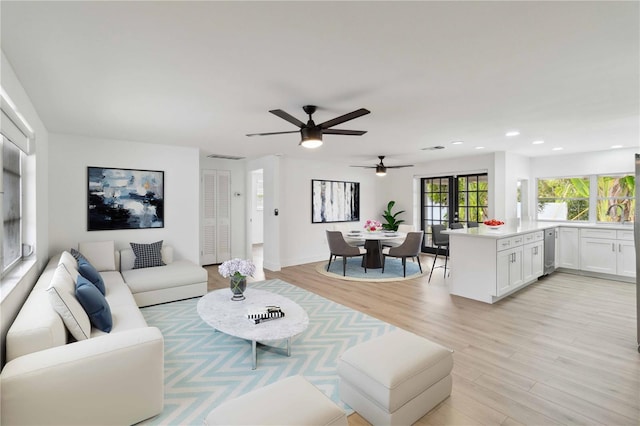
x,y
366,167
399,167
350,116
272,133
286,116
343,132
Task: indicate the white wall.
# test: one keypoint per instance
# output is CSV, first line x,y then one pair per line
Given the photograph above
x,y
588,163
69,157
238,186
402,185
304,242
35,202
517,167
257,216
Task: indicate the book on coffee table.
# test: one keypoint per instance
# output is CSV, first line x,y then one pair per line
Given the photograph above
x,y
266,314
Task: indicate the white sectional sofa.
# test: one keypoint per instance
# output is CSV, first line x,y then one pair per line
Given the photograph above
x,y
114,378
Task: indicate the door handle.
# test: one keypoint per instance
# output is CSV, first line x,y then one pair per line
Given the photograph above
x,y
620,247
613,246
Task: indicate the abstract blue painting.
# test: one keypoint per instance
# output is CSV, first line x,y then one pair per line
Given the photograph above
x,y
125,199
334,201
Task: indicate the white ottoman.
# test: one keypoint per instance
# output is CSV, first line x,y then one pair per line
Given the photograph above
x,y
292,401
395,379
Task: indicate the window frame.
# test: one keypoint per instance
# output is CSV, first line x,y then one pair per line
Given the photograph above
x,y
592,199
22,156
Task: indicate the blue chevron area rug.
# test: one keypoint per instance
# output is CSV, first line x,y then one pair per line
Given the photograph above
x,y
203,368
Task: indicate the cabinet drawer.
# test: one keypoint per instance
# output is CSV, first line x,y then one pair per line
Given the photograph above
x,y
625,235
533,237
598,233
507,243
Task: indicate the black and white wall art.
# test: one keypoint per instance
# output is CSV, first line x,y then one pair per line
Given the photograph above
x,y
334,201
124,199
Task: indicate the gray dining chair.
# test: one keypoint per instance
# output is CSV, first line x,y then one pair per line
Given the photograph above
x,y
339,247
440,240
411,247
472,224
456,225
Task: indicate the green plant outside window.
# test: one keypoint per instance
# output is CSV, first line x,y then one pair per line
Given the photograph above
x,y
563,199
616,202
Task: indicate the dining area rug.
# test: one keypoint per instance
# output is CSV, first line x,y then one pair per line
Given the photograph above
x,y
355,271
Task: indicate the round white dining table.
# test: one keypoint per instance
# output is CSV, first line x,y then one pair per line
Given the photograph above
x,y
373,244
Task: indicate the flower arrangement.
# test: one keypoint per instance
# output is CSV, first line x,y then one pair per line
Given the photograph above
x,y
237,268
372,225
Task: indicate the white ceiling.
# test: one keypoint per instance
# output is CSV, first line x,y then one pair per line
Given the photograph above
x,y
204,74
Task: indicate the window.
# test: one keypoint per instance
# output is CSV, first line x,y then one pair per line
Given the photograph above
x,y
11,204
447,199
615,202
563,198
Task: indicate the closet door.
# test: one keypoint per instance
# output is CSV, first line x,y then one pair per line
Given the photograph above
x,y
223,216
216,215
208,251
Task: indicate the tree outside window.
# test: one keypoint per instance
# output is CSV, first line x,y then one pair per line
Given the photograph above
x,y
563,199
616,202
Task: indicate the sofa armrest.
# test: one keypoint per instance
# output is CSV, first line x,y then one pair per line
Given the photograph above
x,y
82,382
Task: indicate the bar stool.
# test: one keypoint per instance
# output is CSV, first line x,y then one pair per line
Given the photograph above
x,y
440,240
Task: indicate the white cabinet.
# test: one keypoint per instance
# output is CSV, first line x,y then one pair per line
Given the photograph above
x,y
598,255
532,261
569,246
509,264
607,251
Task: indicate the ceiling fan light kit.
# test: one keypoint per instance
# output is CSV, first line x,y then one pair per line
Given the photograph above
x,y
311,137
311,133
381,170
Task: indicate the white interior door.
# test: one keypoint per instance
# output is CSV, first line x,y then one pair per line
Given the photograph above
x,y
208,253
223,216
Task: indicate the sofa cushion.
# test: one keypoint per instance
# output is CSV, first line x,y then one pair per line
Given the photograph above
x,y
101,254
62,297
147,255
94,304
76,254
178,273
87,271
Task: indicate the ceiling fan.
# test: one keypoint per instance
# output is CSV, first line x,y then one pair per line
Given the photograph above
x,y
311,132
381,169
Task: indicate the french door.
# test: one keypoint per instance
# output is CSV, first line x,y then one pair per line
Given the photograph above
x,y
448,199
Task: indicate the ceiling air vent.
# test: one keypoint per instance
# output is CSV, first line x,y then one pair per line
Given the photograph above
x,y
225,157
433,148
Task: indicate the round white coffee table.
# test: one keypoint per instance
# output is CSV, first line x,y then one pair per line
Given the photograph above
x,y
230,317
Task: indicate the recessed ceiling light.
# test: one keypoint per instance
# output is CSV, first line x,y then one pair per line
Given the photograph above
x,y
537,142
512,133
616,146
479,147
457,143
558,148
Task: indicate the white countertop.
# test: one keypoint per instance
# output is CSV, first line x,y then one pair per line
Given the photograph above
x,y
510,230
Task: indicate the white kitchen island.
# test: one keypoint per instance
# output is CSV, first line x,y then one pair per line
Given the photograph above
x,y
489,264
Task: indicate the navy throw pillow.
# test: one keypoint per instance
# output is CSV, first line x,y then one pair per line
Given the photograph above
x,y
89,272
94,304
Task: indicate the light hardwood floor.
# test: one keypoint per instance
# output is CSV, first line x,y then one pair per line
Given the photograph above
x,y
561,351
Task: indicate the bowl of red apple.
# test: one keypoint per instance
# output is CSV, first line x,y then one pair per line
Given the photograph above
x,y
494,223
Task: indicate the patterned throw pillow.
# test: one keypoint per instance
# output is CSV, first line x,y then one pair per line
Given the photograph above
x,y
147,255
